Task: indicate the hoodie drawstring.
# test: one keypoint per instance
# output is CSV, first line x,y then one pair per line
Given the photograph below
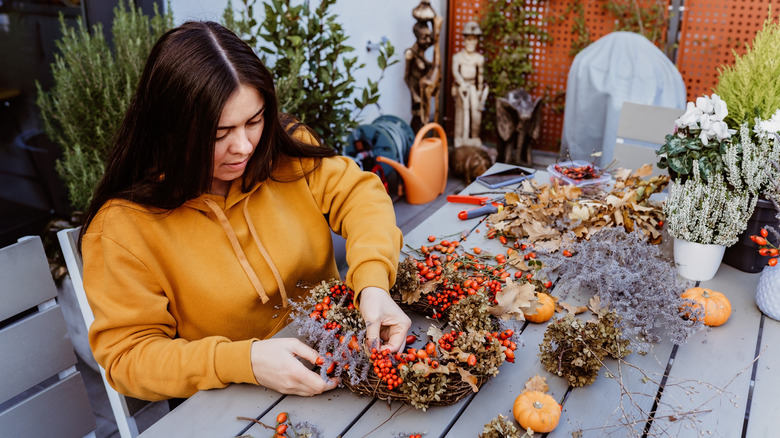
x,y
239,252
266,256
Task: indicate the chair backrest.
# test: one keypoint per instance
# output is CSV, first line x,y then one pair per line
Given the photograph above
x,y
124,408
641,131
41,392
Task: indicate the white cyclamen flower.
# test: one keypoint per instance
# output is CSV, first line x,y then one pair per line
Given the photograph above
x,y
720,111
690,119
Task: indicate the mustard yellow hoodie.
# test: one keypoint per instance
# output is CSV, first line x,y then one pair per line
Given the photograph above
x,y
179,296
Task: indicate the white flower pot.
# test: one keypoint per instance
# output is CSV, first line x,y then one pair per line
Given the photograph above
x,y
768,292
696,261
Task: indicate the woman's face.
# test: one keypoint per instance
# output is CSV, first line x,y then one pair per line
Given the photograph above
x,y
238,133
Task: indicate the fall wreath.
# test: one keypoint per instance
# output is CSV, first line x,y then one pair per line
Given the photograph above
x,y
469,303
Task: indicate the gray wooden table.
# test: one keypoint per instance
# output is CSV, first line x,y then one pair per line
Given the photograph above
x,y
721,383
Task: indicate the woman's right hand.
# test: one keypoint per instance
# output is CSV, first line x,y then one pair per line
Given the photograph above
x,y
276,366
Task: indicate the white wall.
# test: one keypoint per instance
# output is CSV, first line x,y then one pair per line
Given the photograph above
x,y
363,21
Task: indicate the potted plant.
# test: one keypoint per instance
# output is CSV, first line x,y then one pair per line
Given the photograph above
x,y
751,87
704,217
92,86
701,137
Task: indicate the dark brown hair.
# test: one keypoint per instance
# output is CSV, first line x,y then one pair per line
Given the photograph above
x,y
163,152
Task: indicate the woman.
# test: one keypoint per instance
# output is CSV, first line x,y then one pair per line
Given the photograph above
x,y
210,219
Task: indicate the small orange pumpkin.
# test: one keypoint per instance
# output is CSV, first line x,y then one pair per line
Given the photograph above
x,y
537,411
717,308
545,311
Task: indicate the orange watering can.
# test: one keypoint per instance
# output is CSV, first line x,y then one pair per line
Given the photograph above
x,y
425,178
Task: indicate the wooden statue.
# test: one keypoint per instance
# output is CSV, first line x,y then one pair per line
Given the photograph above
x,y
469,89
519,123
422,76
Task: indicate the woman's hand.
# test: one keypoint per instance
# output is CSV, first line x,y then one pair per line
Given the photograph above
x,y
276,366
385,321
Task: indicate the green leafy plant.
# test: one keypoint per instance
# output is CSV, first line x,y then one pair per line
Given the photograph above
x,y
510,33
306,48
751,86
93,86
701,138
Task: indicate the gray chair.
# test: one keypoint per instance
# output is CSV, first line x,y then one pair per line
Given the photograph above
x,y
641,131
124,408
41,392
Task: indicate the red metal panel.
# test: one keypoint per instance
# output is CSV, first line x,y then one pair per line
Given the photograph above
x,y
710,30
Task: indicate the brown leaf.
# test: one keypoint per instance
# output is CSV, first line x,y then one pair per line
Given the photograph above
x,y
537,383
512,300
468,378
574,310
595,306
411,296
645,170
539,231
426,370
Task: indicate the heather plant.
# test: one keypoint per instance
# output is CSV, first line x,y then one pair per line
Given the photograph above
x,y
748,160
708,212
92,88
629,276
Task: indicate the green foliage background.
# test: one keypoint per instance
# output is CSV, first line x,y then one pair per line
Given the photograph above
x,y
306,49
92,88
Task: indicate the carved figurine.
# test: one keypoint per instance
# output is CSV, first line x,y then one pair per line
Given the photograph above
x,y
519,123
421,75
469,89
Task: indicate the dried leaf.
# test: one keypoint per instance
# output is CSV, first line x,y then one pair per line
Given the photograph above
x,y
579,212
574,310
512,300
539,231
645,170
595,306
537,383
468,378
426,370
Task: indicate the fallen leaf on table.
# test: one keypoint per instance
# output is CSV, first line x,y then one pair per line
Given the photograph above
x,y
537,383
512,300
574,310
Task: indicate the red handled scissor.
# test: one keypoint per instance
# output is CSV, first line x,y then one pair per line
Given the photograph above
x,y
488,206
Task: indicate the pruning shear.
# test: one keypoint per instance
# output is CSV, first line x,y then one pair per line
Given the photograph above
x,y
488,206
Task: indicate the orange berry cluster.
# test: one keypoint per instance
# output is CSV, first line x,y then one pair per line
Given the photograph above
x,y
505,339
767,249
448,339
339,289
384,369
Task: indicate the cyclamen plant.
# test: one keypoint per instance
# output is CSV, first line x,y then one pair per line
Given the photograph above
x,y
701,137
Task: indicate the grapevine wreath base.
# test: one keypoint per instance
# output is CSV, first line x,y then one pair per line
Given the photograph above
x,y
467,341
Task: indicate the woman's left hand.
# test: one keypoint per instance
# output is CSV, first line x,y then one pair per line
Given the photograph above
x,y
385,321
